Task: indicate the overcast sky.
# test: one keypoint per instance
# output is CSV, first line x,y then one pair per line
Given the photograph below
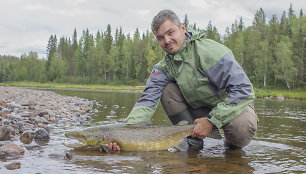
x,y
26,25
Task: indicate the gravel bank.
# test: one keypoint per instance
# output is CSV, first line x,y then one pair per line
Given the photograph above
x,y
27,115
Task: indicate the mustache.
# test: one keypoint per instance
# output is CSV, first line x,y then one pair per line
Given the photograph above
x,y
169,43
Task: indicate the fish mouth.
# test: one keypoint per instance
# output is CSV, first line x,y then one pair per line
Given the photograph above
x,y
84,143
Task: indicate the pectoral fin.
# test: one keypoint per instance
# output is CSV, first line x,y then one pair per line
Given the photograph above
x,y
182,145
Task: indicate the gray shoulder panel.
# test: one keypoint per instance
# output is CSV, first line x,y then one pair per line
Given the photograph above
x,y
154,88
228,75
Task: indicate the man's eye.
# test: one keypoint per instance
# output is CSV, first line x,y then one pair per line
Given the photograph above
x,y
170,33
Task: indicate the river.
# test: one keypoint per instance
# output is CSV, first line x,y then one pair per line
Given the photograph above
x,y
279,145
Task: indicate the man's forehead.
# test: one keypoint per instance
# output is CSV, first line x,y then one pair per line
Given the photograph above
x,y
162,33
165,28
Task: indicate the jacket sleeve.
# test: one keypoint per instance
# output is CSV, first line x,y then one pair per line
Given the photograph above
x,y
146,105
228,76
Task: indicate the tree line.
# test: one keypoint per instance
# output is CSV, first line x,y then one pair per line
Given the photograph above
x,y
271,52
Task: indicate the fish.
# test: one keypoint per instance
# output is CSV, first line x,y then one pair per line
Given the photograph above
x,y
131,137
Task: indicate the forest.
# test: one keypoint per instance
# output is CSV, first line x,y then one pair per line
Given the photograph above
x,y
271,52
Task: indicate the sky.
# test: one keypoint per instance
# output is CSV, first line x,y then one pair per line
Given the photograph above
x,y
26,25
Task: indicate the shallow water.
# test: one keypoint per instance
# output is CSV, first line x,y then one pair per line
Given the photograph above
x,y
279,147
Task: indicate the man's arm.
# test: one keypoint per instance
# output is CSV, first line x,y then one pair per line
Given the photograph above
x,y
146,105
228,76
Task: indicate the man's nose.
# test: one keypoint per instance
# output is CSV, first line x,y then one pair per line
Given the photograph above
x,y
167,39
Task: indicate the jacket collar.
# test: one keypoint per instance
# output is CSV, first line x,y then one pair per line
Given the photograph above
x,y
190,35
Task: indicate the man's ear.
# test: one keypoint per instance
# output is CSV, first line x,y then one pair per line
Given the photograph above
x,y
183,27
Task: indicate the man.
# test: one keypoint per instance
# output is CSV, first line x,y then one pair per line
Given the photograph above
x,y
199,81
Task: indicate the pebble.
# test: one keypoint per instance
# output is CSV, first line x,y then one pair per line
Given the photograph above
x,y
116,106
12,146
41,134
4,133
27,137
13,166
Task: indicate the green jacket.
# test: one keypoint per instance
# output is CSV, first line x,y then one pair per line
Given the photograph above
x,y
207,75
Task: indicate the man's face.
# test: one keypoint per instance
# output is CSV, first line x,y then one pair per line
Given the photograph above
x,y
170,37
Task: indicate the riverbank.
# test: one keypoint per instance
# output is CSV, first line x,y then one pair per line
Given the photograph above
x,y
28,115
260,93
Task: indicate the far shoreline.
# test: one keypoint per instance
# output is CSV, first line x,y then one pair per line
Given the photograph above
x,y
260,93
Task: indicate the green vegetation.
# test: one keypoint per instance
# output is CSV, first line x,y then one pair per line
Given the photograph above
x,y
294,94
74,86
272,53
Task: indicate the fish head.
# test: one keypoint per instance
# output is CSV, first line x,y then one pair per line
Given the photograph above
x,y
86,139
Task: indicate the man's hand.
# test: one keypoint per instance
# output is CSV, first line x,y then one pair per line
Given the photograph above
x,y
112,147
202,128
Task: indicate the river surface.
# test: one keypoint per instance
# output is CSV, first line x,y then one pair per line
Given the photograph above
x,y
279,146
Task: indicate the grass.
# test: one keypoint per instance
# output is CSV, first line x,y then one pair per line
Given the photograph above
x,y
293,94
73,86
261,93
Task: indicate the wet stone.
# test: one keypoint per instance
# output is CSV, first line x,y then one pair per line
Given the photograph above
x,y
33,147
10,154
12,146
4,133
13,166
68,156
41,134
27,137
116,106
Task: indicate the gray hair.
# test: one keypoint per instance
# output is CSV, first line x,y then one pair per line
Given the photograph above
x,y
162,16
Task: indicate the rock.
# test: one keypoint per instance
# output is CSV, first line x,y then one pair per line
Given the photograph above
x,y
12,146
52,119
27,137
33,147
42,113
10,154
88,118
55,156
280,97
14,117
6,122
112,112
41,134
14,105
116,106
24,114
68,156
5,110
4,133
13,166
2,156
25,104
85,109
38,119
